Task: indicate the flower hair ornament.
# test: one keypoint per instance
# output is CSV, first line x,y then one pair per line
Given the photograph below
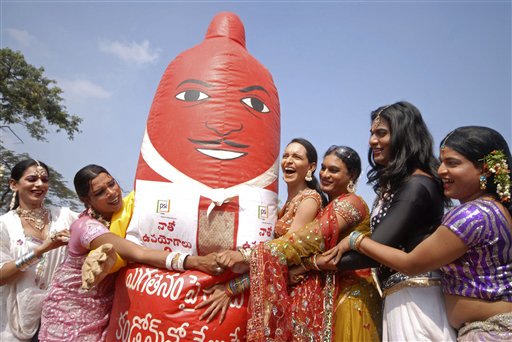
x,y
496,163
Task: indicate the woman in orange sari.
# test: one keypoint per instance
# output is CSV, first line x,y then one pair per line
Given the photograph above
x,y
311,309
304,201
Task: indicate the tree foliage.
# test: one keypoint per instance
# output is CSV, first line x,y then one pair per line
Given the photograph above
x,y
30,99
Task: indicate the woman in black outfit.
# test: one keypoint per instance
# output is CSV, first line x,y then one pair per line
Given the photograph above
x,y
408,208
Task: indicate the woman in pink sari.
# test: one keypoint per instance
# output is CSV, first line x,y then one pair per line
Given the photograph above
x,y
72,313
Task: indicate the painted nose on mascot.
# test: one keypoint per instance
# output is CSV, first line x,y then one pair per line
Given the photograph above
x,y
206,182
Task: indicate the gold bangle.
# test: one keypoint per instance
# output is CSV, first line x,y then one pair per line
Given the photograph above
x,y
314,263
246,254
358,241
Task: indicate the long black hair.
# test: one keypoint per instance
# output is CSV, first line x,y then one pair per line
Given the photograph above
x,y
312,156
411,148
83,178
20,168
476,142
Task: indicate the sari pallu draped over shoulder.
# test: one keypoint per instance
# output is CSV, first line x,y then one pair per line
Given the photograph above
x,y
304,312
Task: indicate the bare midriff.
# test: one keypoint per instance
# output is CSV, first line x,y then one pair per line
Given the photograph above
x,y
462,310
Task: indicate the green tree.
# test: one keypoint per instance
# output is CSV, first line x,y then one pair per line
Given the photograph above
x,y
29,99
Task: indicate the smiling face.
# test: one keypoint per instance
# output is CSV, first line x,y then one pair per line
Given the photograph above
x,y
104,195
334,176
215,116
32,187
295,164
461,178
380,141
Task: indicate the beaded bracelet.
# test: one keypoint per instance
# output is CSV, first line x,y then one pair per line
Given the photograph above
x,y
26,260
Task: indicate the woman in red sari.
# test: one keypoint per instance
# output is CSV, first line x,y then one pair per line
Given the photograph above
x,y
322,303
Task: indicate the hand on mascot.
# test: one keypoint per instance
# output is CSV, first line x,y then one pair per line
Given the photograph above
x,y
206,264
228,259
218,301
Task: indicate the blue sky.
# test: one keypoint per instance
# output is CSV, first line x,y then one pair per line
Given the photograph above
x,y
333,62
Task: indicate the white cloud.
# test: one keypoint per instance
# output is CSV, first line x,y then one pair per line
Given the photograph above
x,y
132,52
22,37
82,89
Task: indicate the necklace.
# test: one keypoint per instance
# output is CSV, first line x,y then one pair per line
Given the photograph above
x,y
36,216
97,216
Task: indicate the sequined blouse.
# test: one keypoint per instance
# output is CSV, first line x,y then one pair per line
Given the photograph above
x,y
287,212
485,270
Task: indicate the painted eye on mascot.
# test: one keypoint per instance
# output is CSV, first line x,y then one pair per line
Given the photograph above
x,y
216,109
192,96
256,104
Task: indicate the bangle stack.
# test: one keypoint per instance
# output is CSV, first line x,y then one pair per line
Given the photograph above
x,y
315,264
309,263
26,260
354,240
238,285
176,261
246,253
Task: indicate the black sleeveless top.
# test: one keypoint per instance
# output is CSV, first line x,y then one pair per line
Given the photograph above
x,y
402,220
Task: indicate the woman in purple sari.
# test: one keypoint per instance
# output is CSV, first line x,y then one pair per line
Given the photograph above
x,y
473,245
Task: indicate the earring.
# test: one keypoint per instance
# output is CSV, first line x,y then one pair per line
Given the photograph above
x,y
13,200
309,176
483,182
351,187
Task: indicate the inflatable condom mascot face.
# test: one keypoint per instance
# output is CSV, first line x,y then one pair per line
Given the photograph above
x,y
206,182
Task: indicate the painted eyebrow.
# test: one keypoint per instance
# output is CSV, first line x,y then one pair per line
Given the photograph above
x,y
196,82
254,87
378,129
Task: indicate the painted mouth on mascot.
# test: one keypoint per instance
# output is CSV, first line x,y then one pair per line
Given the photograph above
x,y
218,152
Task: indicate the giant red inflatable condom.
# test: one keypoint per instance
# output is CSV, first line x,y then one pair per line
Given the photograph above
x,y
206,182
